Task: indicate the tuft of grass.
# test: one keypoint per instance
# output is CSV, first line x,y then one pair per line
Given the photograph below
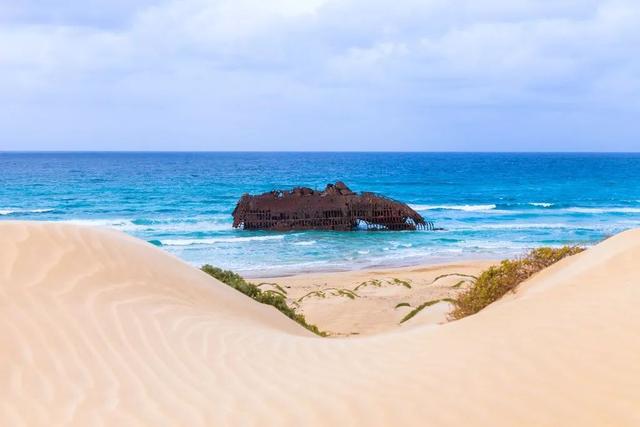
x,y
405,283
419,308
495,282
442,276
329,292
378,283
460,283
273,298
402,304
373,282
275,285
271,291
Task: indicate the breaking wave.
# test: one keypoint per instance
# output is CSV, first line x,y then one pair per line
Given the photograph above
x,y
12,211
305,243
466,208
603,210
213,241
541,204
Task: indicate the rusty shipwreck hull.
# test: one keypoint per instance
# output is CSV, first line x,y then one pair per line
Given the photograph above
x,y
335,208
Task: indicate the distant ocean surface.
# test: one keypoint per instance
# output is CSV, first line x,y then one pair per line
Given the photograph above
x,y
490,205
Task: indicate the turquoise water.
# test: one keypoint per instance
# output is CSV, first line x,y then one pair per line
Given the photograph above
x,y
491,205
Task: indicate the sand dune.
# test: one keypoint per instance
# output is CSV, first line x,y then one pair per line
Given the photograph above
x,y
98,328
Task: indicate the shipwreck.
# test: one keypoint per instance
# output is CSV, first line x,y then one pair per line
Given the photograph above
x,y
334,208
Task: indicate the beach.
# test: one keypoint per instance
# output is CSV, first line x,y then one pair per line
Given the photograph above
x,y
361,302
99,327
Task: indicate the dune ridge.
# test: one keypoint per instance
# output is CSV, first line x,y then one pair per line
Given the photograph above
x,y
98,328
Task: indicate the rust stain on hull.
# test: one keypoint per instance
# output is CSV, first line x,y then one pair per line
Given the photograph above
x,y
335,208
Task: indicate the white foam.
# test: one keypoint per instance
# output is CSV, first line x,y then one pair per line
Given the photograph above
x,y
541,204
466,208
603,210
305,243
165,226
10,211
178,227
119,224
523,226
213,241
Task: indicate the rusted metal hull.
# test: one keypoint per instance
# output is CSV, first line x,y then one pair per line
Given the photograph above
x,y
336,208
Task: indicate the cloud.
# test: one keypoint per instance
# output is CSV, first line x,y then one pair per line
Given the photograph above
x,y
272,74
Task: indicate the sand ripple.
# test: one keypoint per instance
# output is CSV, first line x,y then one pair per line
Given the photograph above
x,y
98,328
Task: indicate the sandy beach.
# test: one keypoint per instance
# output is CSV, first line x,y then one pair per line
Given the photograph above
x,y
371,301
100,328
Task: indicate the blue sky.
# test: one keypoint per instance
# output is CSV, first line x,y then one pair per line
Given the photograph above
x,y
424,75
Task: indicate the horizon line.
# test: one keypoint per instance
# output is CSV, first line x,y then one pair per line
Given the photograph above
x,y
304,151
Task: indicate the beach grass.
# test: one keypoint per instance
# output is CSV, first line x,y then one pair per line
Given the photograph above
x,y
379,283
275,285
373,282
405,283
272,298
495,282
466,276
421,307
329,292
402,304
460,283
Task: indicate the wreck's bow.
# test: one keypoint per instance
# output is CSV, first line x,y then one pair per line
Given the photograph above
x,y
334,208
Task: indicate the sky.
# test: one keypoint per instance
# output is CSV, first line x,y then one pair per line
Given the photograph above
x,y
353,75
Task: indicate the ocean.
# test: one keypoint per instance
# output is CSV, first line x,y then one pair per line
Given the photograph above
x,y
490,205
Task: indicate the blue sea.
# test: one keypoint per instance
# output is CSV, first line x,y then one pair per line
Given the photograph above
x,y
490,205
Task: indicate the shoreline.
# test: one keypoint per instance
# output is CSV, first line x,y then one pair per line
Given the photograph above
x,y
285,273
379,269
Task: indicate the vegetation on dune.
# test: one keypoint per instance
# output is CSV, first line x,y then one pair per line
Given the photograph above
x,y
329,292
422,306
402,304
495,282
442,276
273,298
275,285
373,282
379,283
405,283
271,291
483,290
460,283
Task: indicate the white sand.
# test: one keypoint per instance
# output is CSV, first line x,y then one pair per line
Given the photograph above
x,y
376,294
99,328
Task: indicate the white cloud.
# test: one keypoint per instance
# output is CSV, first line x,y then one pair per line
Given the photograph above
x,y
312,59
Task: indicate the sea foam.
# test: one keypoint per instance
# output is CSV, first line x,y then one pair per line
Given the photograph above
x,y
541,204
466,208
12,211
603,210
213,241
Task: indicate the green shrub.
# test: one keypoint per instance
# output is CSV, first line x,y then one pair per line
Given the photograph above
x,y
265,297
275,285
495,282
